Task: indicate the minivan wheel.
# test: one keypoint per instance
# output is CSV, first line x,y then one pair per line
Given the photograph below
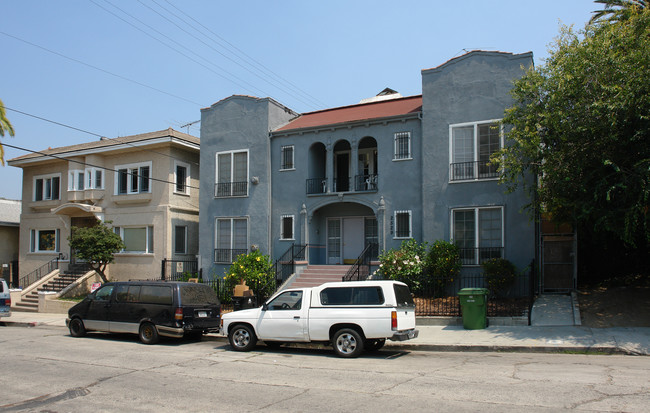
x,y
242,337
148,333
77,328
347,343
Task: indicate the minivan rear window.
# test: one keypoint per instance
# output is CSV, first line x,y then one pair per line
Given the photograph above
x,y
156,294
352,296
198,294
403,296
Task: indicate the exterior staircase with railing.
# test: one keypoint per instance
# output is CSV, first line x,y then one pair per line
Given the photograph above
x,y
315,275
29,302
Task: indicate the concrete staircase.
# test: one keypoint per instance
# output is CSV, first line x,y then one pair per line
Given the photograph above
x,y
29,302
315,275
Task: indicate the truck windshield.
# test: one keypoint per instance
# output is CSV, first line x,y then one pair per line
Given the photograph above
x,y
403,296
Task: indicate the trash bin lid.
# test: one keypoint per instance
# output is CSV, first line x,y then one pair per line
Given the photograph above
x,y
473,291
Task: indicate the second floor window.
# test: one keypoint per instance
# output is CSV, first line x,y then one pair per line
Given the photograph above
x,y
471,146
94,178
287,157
182,178
133,179
47,187
402,145
232,174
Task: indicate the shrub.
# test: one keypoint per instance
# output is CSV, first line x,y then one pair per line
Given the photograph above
x,y
405,264
442,266
255,269
499,274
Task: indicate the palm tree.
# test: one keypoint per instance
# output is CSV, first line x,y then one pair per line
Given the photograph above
x,y
5,125
618,10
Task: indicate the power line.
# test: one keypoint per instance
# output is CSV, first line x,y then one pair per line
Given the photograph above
x,y
100,69
95,134
90,165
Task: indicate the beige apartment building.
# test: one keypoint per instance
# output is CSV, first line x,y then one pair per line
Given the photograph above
x,y
147,185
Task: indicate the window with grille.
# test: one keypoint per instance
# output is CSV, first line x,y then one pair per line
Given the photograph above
x,y
232,174
402,145
287,227
471,146
402,224
231,239
478,232
287,157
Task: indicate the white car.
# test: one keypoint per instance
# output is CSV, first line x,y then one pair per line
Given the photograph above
x,y
5,299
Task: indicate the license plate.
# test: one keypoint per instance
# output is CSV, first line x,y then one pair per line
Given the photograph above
x,y
203,313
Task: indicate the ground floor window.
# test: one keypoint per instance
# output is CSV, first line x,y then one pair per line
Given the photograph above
x,y
44,240
180,239
231,235
287,227
478,232
137,240
402,224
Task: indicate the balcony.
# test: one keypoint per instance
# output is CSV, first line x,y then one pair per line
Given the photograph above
x,y
230,189
362,183
228,256
476,256
472,171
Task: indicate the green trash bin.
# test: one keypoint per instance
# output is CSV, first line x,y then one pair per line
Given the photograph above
x,y
473,304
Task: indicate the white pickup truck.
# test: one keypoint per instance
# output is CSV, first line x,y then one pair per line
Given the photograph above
x,y
352,316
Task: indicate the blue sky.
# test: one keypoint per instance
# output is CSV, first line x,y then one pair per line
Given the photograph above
x,y
118,68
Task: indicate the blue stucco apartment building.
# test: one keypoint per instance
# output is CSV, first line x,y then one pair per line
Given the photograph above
x,y
381,171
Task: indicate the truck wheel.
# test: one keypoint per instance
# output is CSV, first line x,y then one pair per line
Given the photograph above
x,y
77,328
242,337
374,345
347,343
148,333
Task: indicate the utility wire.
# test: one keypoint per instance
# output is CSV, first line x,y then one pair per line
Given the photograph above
x,y
100,69
242,55
95,134
90,165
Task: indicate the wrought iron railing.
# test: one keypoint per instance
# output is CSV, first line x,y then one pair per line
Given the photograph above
x,y
365,182
228,189
175,270
286,264
228,256
463,171
38,273
360,270
316,186
477,256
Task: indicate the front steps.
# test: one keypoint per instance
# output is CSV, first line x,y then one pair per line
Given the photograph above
x,y
29,302
315,275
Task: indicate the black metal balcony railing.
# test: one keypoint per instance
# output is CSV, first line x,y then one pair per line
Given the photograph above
x,y
316,186
225,255
463,171
476,256
365,182
227,189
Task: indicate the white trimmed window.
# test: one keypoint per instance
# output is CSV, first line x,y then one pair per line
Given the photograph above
x,y
47,187
402,146
44,240
137,240
287,227
478,232
76,180
470,147
181,178
287,158
180,239
133,178
231,174
231,239
94,178
403,224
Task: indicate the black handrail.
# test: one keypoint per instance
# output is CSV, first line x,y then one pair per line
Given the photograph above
x,y
39,273
360,270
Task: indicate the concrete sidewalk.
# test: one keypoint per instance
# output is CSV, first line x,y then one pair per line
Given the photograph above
x,y
553,339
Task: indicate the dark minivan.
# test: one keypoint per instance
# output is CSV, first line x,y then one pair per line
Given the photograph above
x,y
148,308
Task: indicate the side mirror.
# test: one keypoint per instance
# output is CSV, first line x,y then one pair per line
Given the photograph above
x,y
265,307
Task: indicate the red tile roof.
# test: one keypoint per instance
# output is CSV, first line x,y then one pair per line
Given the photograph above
x,y
354,113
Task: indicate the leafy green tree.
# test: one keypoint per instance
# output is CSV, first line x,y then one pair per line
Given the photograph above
x,y
581,123
405,264
5,125
618,10
97,245
255,269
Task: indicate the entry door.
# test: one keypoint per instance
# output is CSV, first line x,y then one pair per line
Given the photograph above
x,y
334,241
353,238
